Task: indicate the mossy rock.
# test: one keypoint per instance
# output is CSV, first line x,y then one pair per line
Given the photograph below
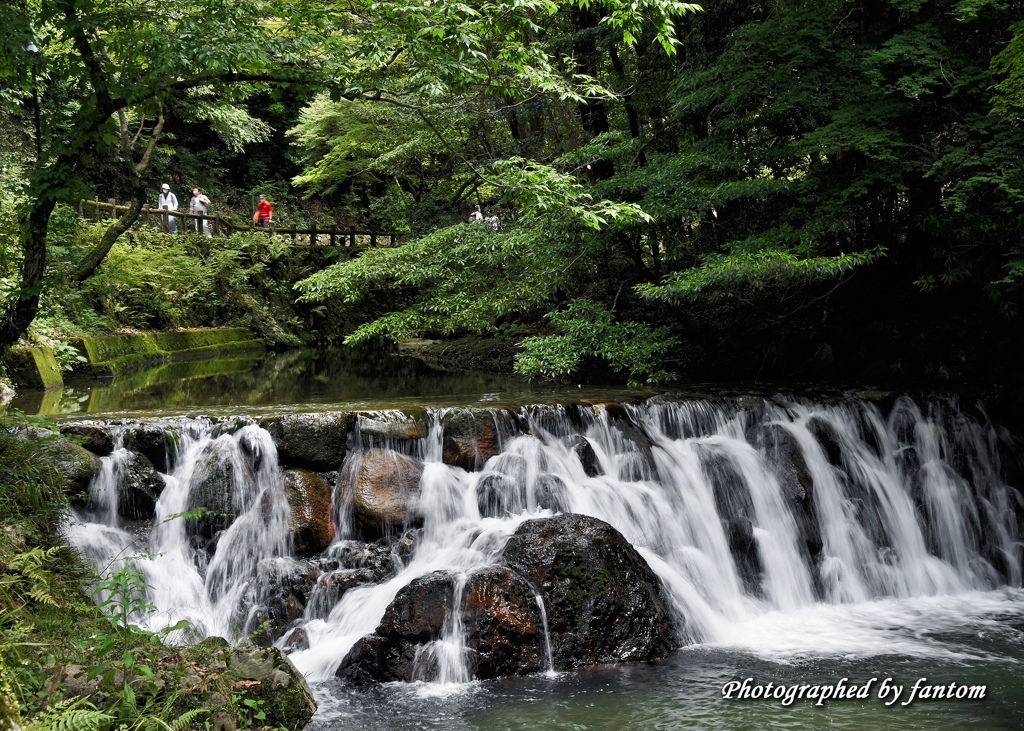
x,y
604,603
76,464
33,367
113,354
95,437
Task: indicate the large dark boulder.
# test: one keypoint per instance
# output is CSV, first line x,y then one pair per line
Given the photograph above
x,y
138,489
604,604
311,441
156,442
500,621
218,473
310,522
95,437
386,493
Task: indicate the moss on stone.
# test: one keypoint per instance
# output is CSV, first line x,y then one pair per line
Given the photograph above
x,y
109,355
33,367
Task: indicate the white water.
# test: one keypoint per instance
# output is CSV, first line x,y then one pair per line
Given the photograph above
x,y
910,514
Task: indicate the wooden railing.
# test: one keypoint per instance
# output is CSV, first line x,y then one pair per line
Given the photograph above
x,y
215,225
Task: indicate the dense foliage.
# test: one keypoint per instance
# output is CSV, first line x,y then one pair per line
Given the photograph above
x,y
727,169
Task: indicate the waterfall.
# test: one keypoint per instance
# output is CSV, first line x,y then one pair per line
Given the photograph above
x,y
767,521
213,595
547,635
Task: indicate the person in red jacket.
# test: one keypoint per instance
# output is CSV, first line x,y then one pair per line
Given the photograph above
x,y
264,212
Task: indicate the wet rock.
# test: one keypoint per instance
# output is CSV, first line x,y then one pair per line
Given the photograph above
x,y
95,437
76,464
218,474
310,523
380,558
156,442
295,640
311,441
786,459
470,438
284,587
604,603
138,489
585,451
330,588
500,622
386,493
498,496
743,546
552,494
384,429
828,438
231,425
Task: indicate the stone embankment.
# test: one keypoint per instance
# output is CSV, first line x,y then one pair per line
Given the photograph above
x,y
110,355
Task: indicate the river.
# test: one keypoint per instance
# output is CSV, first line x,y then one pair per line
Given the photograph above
x,y
907,568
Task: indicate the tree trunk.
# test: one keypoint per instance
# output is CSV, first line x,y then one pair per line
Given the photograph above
x,y
23,304
99,252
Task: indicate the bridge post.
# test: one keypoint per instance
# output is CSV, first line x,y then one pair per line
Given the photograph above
x,y
352,241
293,231
312,234
332,235
113,208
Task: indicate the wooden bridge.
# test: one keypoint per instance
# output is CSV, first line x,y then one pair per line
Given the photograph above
x,y
217,226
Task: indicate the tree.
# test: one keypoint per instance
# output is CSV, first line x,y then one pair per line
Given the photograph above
x,y
127,61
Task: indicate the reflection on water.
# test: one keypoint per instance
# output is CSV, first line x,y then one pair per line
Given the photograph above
x,y
296,380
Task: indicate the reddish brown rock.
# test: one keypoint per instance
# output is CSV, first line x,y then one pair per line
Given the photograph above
x,y
502,622
500,619
310,523
470,438
386,492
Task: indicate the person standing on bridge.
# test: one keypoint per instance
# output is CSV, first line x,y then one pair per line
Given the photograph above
x,y
264,214
168,202
200,204
476,215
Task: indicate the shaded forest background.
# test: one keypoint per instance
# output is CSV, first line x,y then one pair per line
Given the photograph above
x,y
800,191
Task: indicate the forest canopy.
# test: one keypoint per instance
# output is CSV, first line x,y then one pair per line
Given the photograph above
x,y
737,166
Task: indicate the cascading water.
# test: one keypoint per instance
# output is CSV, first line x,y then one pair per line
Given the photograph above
x,y
780,527
212,594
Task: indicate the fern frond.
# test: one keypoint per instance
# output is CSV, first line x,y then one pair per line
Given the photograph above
x,y
74,714
184,721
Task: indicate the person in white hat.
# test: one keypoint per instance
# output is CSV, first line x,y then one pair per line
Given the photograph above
x,y
168,202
